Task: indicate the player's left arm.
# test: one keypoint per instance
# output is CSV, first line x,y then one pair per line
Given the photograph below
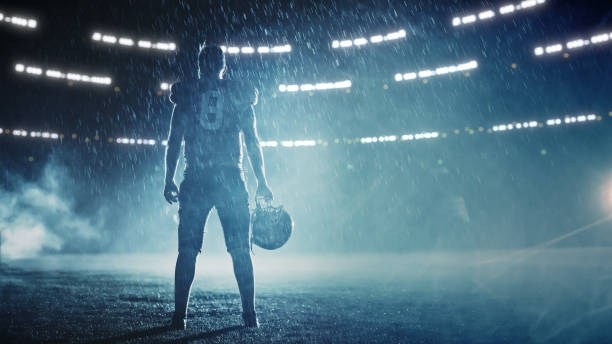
x,y
251,139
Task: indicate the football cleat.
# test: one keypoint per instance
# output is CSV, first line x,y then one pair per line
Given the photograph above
x,y
250,320
178,323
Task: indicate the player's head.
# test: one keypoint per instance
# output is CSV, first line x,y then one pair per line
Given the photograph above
x,y
211,62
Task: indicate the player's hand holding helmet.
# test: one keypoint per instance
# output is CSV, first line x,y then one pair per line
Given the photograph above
x,y
264,192
171,192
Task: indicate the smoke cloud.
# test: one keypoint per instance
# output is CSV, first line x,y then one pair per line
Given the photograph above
x,y
39,216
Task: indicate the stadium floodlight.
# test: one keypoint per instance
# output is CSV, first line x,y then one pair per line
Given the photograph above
x,y
528,3
468,19
281,48
599,38
519,125
506,9
395,35
442,70
306,87
342,84
109,39
304,143
425,73
575,43
373,39
23,22
126,41
467,66
249,49
54,74
346,43
376,39
317,87
129,42
145,44
487,14
57,74
360,41
438,71
165,46
18,21
555,48
33,70
269,143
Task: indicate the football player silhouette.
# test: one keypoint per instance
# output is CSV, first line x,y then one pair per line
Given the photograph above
x,y
211,116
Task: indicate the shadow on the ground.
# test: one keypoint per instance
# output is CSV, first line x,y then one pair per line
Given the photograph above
x,y
205,335
154,331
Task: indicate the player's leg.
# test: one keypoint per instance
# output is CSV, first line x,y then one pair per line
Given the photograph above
x,y
243,270
193,212
234,214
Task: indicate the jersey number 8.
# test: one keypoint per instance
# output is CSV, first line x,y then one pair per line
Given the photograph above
x,y
211,110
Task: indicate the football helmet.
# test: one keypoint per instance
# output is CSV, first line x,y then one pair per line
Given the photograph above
x,y
271,226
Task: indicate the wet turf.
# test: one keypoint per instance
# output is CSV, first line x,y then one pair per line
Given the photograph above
x,y
527,305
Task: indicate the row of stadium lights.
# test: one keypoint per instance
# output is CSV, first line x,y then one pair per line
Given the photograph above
x,y
56,74
347,83
550,122
490,14
573,44
568,120
129,42
438,71
357,42
248,50
315,87
18,21
294,88
169,46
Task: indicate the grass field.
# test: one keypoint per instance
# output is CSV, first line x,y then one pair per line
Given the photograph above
x,y
561,295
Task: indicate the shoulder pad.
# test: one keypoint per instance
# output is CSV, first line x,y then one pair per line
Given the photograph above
x,y
180,91
244,92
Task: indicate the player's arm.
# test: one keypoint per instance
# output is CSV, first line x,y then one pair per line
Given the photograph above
x,y
173,148
251,139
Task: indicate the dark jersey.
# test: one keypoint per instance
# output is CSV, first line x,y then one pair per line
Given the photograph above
x,y
214,113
